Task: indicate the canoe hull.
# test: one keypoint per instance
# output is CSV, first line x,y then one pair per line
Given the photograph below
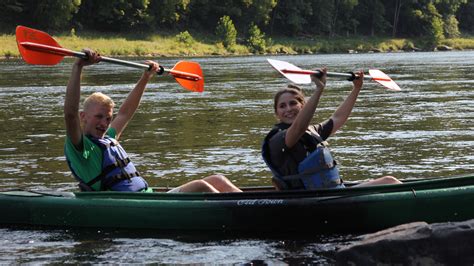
x,y
348,211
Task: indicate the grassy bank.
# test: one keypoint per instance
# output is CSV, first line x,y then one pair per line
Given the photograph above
x,y
170,45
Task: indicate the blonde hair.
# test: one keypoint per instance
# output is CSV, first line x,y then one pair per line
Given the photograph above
x,y
98,98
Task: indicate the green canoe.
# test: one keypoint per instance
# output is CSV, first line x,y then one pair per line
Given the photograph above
x,y
257,210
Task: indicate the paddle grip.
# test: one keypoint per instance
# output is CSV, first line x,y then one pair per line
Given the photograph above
x,y
352,77
82,55
160,71
318,74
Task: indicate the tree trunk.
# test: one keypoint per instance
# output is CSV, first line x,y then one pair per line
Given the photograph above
x,y
398,4
272,22
334,19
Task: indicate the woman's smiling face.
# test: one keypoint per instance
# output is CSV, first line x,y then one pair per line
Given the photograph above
x,y
288,107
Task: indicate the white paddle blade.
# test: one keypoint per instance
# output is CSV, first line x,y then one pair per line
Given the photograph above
x,y
295,78
384,80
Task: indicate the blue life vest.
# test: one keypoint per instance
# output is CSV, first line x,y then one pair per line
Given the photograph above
x,y
118,172
318,170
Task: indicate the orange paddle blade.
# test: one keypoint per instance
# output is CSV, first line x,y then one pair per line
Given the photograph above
x,y
32,56
38,48
189,75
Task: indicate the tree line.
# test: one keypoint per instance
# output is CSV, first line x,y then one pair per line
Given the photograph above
x,y
434,19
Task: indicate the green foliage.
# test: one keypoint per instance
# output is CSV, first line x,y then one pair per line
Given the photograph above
x,y
185,38
167,12
139,51
465,17
437,30
117,15
292,16
432,23
371,15
408,46
259,11
451,27
343,16
10,13
322,19
459,43
437,24
54,14
449,7
281,49
126,44
256,40
433,19
226,32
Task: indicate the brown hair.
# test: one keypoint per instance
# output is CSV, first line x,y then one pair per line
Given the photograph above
x,y
293,89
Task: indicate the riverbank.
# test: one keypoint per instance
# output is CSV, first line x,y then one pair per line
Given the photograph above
x,y
207,45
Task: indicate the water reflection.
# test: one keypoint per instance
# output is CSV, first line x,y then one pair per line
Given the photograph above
x,y
97,246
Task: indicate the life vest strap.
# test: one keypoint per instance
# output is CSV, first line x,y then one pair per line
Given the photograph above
x,y
298,181
111,181
108,169
84,187
120,163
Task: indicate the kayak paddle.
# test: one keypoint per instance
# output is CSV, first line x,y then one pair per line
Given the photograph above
x,y
38,48
300,76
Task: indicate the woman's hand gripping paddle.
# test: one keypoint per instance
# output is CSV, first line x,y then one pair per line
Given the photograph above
x,y
38,48
300,76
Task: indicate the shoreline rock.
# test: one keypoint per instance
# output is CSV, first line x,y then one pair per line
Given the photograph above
x,y
417,243
443,48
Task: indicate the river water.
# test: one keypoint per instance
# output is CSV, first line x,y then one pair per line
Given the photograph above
x,y
177,136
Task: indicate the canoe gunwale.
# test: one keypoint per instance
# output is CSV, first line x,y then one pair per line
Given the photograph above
x,y
258,193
